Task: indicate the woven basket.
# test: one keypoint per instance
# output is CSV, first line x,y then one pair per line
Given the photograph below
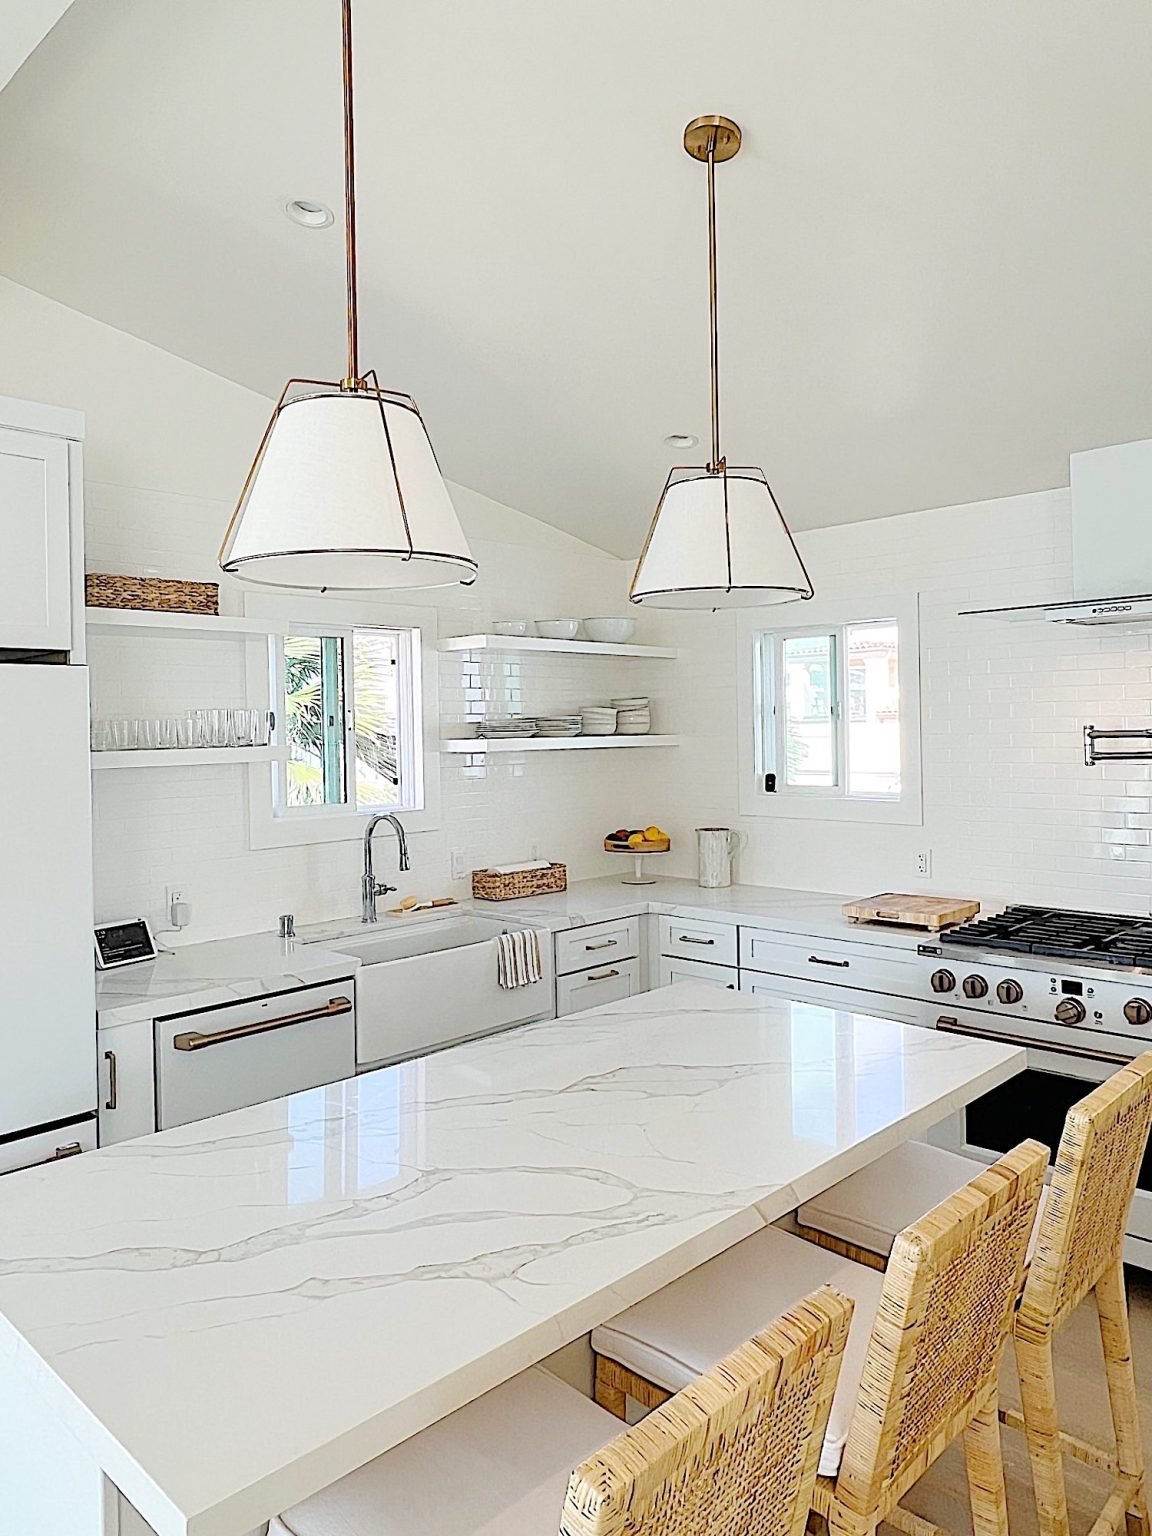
x,y
487,886
151,592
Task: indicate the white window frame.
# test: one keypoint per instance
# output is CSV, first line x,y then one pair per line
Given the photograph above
x,y
419,683
758,743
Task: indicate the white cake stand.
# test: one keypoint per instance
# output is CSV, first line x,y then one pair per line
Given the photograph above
x,y
638,875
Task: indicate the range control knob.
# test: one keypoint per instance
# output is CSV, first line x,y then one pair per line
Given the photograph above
x,y
942,981
1070,1010
1138,1011
1009,991
975,986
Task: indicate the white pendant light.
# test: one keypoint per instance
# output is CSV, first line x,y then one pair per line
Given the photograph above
x,y
718,539
345,492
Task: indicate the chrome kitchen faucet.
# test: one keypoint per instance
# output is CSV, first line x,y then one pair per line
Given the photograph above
x,y
370,886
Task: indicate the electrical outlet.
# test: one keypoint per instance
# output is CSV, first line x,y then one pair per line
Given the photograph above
x,y
456,866
173,894
924,862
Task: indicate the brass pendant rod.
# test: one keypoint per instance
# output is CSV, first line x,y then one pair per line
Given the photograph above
x,y
713,323
350,198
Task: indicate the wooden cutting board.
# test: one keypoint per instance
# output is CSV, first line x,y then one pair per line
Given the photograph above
x,y
931,912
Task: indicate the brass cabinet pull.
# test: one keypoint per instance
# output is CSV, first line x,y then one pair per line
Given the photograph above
x,y
72,1149
193,1040
607,944
113,1080
819,960
686,938
948,1026
601,975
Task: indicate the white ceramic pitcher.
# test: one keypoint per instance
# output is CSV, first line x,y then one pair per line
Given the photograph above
x,y
715,847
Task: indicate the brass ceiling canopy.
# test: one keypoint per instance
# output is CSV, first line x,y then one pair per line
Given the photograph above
x,y
713,132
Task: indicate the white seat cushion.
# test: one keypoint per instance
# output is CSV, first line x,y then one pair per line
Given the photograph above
x,y
499,1465
671,1337
869,1208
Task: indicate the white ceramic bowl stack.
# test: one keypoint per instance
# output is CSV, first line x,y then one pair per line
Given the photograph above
x,y
558,725
597,720
517,629
610,631
506,727
558,629
633,716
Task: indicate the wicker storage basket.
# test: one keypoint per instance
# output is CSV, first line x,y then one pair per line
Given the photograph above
x,y
151,592
487,886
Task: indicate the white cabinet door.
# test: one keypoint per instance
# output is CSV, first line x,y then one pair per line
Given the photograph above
x,y
127,1081
880,1005
669,970
35,572
608,983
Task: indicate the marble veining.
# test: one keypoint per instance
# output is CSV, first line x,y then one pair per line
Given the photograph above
x,y
221,971
235,1313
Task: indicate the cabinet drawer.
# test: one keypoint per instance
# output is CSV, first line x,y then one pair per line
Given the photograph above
x,y
839,961
879,1005
610,982
690,940
48,1146
581,949
669,970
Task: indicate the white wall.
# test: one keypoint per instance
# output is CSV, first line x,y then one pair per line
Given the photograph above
x,y
1010,810
168,445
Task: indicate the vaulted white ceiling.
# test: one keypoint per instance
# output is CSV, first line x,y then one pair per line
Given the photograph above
x,y
934,245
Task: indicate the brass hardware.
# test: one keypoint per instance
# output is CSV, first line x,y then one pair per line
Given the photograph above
x,y
712,132
113,1080
949,1026
686,938
353,378
841,965
606,944
70,1149
194,1040
601,975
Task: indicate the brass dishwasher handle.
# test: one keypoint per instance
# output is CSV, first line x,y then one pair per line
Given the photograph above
x,y
819,960
113,1080
948,1026
686,938
193,1040
607,944
601,975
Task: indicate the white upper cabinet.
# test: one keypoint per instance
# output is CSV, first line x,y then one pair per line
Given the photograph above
x,y
41,533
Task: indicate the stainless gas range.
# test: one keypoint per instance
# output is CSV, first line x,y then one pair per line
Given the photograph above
x,y
1075,989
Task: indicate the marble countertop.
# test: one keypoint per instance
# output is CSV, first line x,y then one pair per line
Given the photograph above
x,y
231,1315
222,971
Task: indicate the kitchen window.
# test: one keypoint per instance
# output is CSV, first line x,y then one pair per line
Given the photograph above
x,y
830,715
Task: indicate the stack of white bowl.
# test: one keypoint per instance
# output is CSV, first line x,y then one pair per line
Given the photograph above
x,y
503,727
598,720
633,716
558,725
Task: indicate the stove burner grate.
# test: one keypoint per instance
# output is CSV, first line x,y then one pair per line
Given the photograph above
x,y
1101,937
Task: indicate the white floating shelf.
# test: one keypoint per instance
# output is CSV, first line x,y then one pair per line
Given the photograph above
x,y
557,647
186,757
554,743
178,623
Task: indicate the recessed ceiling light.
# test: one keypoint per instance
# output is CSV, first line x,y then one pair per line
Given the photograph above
x,y
308,214
681,439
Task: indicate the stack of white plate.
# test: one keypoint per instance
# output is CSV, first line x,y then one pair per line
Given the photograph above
x,y
501,727
598,720
633,716
557,725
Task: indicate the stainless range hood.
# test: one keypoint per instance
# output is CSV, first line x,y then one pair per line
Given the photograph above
x,y
1111,542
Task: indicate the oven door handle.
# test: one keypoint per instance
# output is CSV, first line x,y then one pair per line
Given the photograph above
x,y
949,1026
193,1040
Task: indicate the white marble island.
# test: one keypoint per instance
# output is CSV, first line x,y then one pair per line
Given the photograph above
x,y
222,1319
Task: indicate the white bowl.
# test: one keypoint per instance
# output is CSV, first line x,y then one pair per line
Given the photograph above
x,y
558,629
518,628
610,631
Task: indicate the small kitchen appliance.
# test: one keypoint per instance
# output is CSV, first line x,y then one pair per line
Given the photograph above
x,y
128,942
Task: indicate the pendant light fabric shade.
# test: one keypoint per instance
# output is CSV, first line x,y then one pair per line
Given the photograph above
x,y
346,494
718,540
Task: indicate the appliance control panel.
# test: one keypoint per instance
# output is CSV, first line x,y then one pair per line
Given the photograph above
x,y
124,943
1120,1006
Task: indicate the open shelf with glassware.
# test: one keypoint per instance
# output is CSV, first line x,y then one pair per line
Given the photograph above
x,y
556,647
186,757
553,743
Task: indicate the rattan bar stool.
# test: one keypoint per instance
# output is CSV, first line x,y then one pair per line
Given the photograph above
x,y
734,1453
930,1370
1077,1250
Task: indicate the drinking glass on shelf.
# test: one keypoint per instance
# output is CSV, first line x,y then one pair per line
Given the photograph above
x,y
188,732
244,725
218,728
263,733
166,732
147,734
101,735
125,735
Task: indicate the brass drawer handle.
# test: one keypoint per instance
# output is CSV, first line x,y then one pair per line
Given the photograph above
x,y
819,960
686,938
72,1149
193,1040
607,944
113,1080
601,975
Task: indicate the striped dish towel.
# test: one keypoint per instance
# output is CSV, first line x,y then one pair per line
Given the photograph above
x,y
518,959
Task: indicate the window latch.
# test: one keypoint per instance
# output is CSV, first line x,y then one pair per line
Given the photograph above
x,y
769,783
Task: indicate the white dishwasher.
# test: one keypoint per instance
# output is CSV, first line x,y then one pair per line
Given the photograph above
x,y
211,1060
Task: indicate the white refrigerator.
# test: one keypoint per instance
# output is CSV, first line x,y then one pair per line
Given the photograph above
x,y
47,990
